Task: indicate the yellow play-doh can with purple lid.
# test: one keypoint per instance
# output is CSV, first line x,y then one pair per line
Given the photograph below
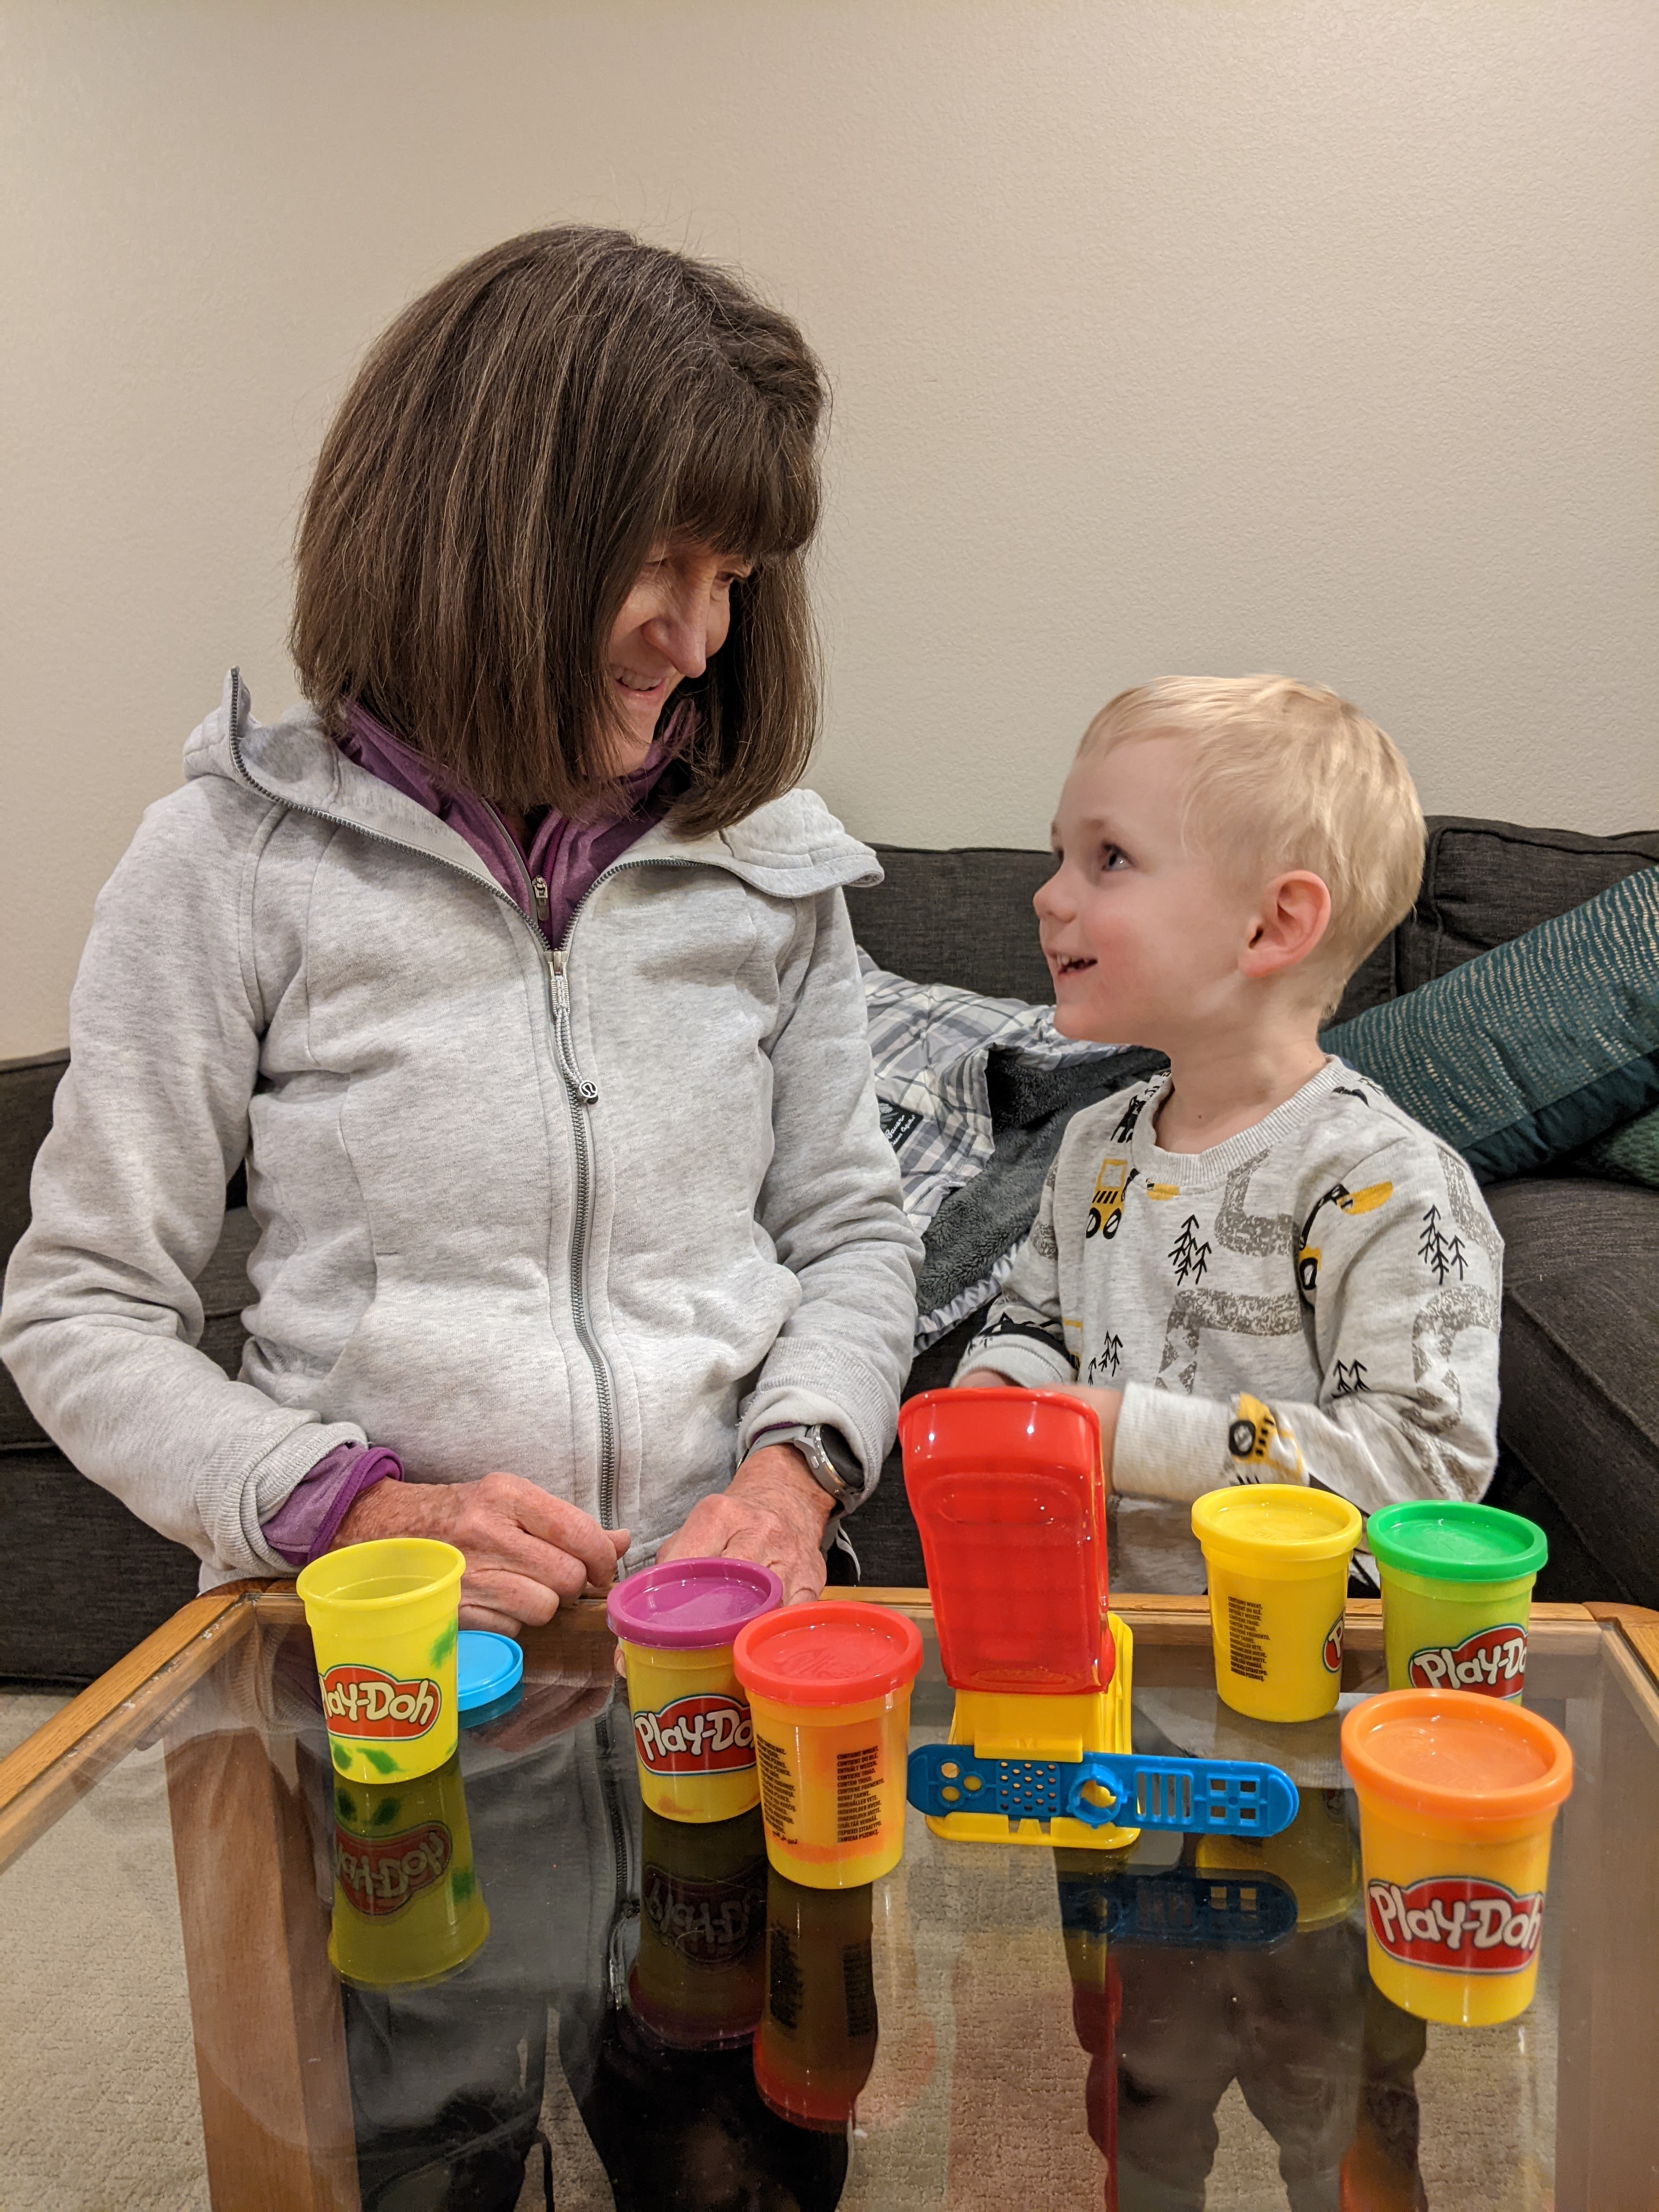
x,y
694,1736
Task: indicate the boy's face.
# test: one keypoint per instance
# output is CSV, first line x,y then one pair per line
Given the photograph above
x,y
1142,935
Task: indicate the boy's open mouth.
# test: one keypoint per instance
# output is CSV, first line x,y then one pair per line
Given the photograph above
x,y
1068,963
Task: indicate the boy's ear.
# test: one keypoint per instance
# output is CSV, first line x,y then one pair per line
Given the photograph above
x,y
1291,918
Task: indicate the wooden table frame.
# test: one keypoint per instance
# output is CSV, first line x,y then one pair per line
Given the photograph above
x,y
275,2104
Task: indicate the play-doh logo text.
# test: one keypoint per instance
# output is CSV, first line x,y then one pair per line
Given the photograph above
x,y
362,1702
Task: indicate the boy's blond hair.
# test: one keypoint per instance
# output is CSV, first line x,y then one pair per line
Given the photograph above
x,y
1287,775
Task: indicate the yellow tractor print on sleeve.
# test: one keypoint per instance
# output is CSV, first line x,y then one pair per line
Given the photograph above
x,y
1263,1442
1349,1201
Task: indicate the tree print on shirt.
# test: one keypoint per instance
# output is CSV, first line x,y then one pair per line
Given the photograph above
x,y
1350,1378
1125,1128
1187,1255
1441,1254
1107,1361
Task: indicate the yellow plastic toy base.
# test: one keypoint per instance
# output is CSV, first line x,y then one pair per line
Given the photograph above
x,y
1009,1726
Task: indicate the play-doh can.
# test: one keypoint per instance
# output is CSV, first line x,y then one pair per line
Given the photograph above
x,y
407,1910
1277,1555
1458,1798
1457,1583
693,1735
830,1688
384,1618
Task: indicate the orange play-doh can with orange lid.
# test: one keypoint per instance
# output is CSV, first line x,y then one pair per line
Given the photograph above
x,y
830,1689
1458,1794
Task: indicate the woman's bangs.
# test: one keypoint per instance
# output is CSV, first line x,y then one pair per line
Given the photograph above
x,y
744,494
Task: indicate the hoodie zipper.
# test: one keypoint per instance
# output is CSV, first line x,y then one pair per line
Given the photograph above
x,y
581,1092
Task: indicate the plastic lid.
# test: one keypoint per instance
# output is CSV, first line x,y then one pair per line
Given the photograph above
x,y
1455,1756
1289,1519
827,1655
1456,1542
486,1670
691,1605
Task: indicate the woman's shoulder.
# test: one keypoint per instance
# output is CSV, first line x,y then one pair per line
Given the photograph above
x,y
794,848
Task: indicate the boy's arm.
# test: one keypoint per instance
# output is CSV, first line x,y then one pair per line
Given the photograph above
x,y
1023,1340
1401,1266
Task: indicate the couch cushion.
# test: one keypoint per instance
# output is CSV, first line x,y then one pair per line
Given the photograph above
x,y
1487,881
1528,1052
959,917
1580,1378
81,1580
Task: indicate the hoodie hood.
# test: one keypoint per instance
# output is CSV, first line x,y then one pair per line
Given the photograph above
x,y
792,847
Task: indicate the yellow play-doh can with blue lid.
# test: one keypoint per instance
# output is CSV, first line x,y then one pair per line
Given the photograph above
x,y
1277,1555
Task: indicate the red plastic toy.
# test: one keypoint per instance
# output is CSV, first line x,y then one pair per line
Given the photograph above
x,y
1008,1495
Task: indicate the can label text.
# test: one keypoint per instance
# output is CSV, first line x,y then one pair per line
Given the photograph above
x,y
364,1703
1494,1661
703,1734
1460,1923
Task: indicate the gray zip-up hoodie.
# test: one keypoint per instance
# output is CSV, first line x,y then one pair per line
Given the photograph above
x,y
594,1216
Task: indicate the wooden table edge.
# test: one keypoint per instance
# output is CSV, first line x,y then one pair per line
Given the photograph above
x,y
64,1756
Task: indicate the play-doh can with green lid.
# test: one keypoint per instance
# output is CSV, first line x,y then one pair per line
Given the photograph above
x,y
1457,1581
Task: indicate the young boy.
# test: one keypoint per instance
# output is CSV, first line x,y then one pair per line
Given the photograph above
x,y
1256,1267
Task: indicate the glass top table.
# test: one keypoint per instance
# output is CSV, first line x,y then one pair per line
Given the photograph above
x,y
653,2020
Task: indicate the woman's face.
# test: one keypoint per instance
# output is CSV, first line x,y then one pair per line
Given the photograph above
x,y
672,623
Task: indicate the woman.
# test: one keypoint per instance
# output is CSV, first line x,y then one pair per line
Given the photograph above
x,y
521,979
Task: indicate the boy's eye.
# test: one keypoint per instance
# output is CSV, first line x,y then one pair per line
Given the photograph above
x,y
1114,856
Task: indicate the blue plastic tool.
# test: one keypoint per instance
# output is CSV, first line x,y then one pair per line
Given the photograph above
x,y
1199,1796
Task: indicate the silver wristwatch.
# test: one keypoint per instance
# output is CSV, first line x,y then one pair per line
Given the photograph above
x,y
830,1460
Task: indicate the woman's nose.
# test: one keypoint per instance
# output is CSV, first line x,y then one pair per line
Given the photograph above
x,y
682,636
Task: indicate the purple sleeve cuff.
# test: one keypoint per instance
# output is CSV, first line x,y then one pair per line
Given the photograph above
x,y
303,1526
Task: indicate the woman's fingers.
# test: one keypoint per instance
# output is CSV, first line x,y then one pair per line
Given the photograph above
x,y
529,1602
557,1522
487,1617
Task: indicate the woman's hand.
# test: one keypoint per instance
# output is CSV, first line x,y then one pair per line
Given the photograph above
x,y
525,1550
771,1512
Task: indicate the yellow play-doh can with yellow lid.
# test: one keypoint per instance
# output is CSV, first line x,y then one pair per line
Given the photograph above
x,y
384,1618
1277,1555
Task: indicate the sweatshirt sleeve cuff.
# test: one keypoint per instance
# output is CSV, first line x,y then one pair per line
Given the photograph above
x,y
309,1519
1168,1447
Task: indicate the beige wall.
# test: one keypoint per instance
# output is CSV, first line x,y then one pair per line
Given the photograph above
x,y
1166,334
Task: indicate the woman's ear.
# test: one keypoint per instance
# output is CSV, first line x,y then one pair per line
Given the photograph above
x,y
1291,919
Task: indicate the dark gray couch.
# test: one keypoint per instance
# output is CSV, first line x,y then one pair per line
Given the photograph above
x,y
81,1580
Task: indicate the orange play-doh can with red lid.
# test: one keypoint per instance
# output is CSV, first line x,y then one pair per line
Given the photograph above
x,y
828,1687
1458,1795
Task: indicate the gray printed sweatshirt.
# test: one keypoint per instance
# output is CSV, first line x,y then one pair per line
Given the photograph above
x,y
596,1217
1316,1297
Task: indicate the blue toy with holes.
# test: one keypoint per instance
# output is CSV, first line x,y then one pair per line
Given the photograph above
x,y
1195,1796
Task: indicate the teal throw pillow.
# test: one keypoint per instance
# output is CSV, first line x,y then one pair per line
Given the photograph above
x,y
1627,1155
1534,1048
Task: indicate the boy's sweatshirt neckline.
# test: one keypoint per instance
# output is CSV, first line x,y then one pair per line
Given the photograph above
x,y
1196,1170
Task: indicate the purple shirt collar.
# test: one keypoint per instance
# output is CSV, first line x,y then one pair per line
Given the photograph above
x,y
569,855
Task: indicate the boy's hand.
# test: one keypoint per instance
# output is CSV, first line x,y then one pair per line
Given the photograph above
x,y
1108,1405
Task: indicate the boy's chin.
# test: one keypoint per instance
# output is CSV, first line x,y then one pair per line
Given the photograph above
x,y
1074,1017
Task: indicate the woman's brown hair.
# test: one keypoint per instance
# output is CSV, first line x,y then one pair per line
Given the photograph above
x,y
512,447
